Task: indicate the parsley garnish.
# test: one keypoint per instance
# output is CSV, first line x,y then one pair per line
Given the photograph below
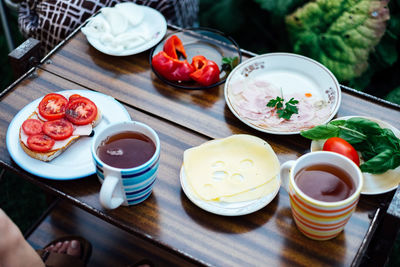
x,y
229,63
284,112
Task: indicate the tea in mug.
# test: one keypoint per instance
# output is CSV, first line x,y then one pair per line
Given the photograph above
x,y
126,150
325,182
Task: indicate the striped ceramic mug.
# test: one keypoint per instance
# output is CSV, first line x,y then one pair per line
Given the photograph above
x,y
126,186
320,220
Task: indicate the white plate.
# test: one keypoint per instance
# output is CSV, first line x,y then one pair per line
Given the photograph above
x,y
227,208
373,183
292,73
76,161
153,22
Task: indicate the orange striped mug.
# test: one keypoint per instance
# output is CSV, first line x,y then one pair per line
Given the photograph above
x,y
317,219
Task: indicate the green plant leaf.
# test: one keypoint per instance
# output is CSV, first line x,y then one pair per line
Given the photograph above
x,y
321,132
394,96
351,135
338,33
387,51
385,160
280,7
364,125
227,14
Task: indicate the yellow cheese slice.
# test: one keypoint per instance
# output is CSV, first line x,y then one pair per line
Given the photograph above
x,y
230,166
255,193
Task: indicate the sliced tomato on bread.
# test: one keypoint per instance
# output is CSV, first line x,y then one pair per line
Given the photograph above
x,y
74,96
81,111
52,106
58,129
48,131
32,126
40,142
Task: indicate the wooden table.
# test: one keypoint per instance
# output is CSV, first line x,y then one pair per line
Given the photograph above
x,y
183,119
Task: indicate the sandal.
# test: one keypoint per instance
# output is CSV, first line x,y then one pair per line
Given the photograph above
x,y
53,259
143,262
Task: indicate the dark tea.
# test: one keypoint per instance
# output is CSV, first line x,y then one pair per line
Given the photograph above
x,y
126,149
325,182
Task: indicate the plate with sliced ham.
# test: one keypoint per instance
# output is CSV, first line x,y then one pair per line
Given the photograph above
x,y
282,93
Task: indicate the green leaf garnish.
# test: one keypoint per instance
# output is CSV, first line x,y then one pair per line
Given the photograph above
x,y
229,63
284,112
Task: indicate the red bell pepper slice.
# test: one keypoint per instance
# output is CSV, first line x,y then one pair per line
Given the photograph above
x,y
172,69
207,71
174,45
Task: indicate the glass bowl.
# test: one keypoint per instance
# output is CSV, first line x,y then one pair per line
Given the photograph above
x,y
210,43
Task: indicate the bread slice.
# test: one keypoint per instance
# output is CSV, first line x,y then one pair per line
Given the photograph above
x,y
50,155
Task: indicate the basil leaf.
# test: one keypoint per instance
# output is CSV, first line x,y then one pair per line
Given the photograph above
x,y
338,122
381,143
391,138
321,132
382,162
351,135
363,125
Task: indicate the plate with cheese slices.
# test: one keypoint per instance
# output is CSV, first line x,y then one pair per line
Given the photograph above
x,y
233,176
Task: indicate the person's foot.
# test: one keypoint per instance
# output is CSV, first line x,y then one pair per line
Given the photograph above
x,y
72,248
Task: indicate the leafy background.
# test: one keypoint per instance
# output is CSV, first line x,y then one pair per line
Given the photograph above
x,y
6,76
356,39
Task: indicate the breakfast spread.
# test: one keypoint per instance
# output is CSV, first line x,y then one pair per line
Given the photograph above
x,y
236,168
57,122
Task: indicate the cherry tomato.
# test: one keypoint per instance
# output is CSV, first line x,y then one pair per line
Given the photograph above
x,y
74,96
52,106
81,111
58,129
40,142
341,146
32,126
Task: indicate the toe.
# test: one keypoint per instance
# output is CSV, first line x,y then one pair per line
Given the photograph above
x,y
49,248
57,247
74,249
64,247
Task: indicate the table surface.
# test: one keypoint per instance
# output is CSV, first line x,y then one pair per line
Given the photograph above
x,y
183,119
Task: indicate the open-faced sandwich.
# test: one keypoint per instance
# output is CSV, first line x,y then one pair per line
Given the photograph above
x,y
58,122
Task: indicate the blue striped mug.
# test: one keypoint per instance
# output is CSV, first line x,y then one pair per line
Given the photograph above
x,y
125,186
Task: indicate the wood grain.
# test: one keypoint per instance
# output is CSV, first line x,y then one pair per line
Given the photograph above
x,y
184,119
114,247
131,80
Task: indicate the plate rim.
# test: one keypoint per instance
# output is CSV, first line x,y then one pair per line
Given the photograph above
x,y
262,202
194,29
12,148
377,121
228,102
137,50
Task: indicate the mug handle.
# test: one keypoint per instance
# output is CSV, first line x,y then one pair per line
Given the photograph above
x,y
285,173
108,187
